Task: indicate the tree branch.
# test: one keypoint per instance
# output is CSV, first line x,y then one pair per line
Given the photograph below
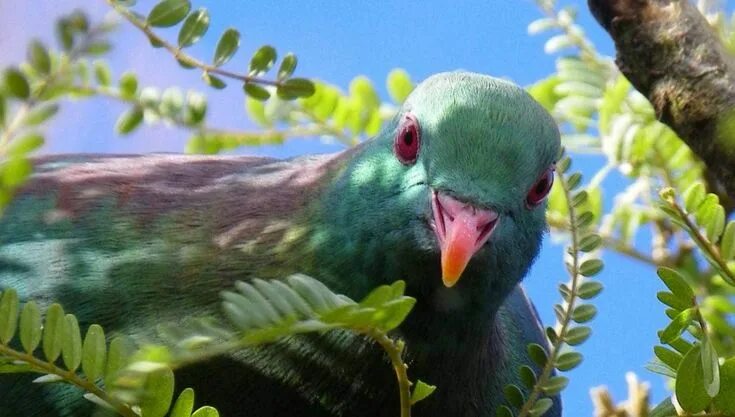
x,y
668,51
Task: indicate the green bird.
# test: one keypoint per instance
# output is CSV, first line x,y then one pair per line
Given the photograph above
x,y
449,197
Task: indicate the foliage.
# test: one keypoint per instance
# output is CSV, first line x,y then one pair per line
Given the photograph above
x,y
581,264
141,381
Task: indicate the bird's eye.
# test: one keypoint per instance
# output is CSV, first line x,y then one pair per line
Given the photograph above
x,y
406,145
540,188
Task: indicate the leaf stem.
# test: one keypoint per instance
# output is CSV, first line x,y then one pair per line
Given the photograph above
x,y
703,242
394,348
556,346
69,376
182,57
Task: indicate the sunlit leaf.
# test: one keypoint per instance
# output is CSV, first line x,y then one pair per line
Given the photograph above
x,y
227,45
168,13
194,27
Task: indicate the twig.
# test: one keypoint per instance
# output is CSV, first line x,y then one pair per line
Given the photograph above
x,y
69,376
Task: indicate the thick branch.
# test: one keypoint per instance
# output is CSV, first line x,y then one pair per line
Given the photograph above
x,y
668,51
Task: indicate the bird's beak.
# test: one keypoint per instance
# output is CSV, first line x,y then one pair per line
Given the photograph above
x,y
461,230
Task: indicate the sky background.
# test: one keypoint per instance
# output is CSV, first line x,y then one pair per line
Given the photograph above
x,y
336,41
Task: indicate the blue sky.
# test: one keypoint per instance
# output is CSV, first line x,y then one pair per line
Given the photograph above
x,y
336,41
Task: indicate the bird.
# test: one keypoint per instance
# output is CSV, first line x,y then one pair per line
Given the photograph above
x,y
449,197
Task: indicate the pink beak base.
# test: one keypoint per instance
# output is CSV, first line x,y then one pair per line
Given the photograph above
x,y
461,230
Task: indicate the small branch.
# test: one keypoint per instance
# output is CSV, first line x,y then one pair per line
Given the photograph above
x,y
30,103
669,52
395,350
243,137
617,245
69,376
587,50
180,56
568,309
703,242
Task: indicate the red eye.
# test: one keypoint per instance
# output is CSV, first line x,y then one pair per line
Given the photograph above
x,y
406,145
541,188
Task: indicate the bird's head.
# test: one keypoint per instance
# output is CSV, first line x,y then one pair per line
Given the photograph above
x,y
460,174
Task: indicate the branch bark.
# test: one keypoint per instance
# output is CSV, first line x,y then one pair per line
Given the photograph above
x,y
669,52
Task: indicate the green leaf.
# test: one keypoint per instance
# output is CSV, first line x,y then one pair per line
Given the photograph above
x,y
658,367
677,284
288,66
38,57
206,411
503,411
30,327
53,332
537,354
8,315
577,335
574,180
421,391
257,92
710,367
396,312
677,326
262,60
693,196
194,27
71,350
668,356
725,401
16,84
94,352
128,84
528,376
579,198
690,391
585,219
568,361
590,267
184,404
727,244
227,45
168,13
128,121
673,301
589,289
102,73
584,313
715,223
540,407
295,88
590,243
256,111
40,113
555,385
159,389
399,85
117,357
15,171
213,81
514,395
98,48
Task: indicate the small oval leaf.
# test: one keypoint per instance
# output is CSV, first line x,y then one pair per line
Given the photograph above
x,y
168,13
194,27
262,60
227,45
